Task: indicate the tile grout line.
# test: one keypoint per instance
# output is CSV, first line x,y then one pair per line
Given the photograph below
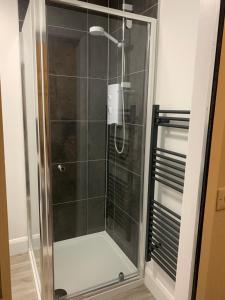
x,y
132,73
78,200
73,121
120,208
124,168
92,121
67,28
76,77
78,161
95,78
148,9
134,124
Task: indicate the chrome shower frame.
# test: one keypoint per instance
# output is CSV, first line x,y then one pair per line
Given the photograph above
x,y
46,218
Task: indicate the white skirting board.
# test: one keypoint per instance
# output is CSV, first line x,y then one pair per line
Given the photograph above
x,y
158,282
18,245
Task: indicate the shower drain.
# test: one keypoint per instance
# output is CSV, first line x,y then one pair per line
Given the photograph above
x,y
60,294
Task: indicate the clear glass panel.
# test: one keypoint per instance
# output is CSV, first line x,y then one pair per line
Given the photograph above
x,y
31,132
97,191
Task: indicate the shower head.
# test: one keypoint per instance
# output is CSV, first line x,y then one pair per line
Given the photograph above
x,y
99,31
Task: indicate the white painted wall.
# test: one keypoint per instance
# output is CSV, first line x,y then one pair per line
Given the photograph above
x,y
176,53
187,42
178,23
13,125
201,97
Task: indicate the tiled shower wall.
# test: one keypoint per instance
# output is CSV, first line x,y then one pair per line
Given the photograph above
x,y
78,93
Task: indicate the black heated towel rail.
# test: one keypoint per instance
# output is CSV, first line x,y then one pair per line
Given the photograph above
x,y
168,168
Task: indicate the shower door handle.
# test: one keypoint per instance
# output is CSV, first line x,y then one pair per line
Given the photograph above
x,y
61,168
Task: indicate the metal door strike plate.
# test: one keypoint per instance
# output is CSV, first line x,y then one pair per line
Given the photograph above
x,y
220,203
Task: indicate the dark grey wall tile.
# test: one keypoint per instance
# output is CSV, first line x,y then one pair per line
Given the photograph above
x,y
126,233
110,217
111,181
67,52
97,99
69,220
97,52
152,12
114,54
137,47
139,6
98,46
97,19
96,140
135,50
99,2
58,16
96,178
114,4
135,98
131,158
68,141
68,98
128,192
96,214
111,145
71,184
115,26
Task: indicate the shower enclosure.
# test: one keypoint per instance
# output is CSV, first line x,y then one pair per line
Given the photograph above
x,y
88,74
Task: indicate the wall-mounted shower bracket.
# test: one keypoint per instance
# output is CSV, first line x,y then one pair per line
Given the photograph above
x,y
129,8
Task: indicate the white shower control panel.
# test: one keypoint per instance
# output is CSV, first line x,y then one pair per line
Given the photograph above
x,y
114,115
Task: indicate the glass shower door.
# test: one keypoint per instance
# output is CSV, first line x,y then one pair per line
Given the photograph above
x,y
98,83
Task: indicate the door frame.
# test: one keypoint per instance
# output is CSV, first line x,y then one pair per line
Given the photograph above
x,y
5,280
208,147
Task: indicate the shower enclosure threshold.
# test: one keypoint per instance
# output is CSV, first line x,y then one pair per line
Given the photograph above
x,y
88,262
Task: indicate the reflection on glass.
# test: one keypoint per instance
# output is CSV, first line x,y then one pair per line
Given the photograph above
x,y
30,117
